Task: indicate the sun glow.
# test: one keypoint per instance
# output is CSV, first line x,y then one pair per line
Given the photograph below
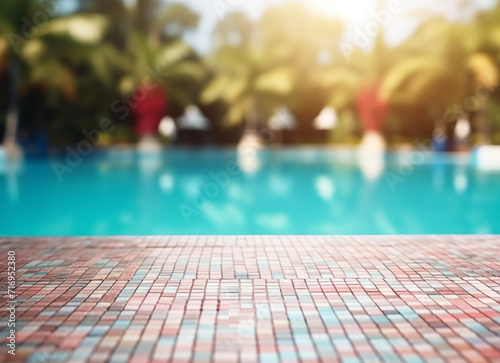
x,y
352,11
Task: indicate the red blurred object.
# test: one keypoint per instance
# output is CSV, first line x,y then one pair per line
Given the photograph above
x,y
151,106
371,109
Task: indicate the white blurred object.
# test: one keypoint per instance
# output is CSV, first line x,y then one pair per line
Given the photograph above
x,y
10,150
372,142
460,181
462,129
371,156
372,166
324,57
326,120
167,182
248,158
488,157
193,119
167,127
249,143
325,187
282,119
10,168
249,164
149,144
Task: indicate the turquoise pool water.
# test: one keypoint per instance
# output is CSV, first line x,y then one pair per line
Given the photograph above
x,y
218,192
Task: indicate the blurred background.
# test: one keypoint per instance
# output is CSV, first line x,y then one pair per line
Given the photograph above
x,y
409,71
285,90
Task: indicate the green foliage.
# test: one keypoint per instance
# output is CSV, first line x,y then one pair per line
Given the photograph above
x,y
78,64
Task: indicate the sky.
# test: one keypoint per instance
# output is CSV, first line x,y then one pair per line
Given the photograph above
x,y
356,13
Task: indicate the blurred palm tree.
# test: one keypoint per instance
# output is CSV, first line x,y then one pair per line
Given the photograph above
x,y
246,76
429,74
52,57
307,47
440,67
80,58
80,63
423,76
157,48
163,50
260,67
418,80
483,36
11,14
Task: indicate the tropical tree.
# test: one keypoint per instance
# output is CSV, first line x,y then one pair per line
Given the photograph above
x,y
75,67
446,81
245,79
63,59
412,84
423,82
156,46
483,44
307,43
261,66
11,14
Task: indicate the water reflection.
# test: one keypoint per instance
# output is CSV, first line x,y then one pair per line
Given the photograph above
x,y
460,180
248,160
277,222
279,184
487,158
325,187
149,163
10,169
188,193
372,165
167,182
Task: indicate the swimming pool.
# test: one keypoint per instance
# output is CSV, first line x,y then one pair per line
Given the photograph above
x,y
221,192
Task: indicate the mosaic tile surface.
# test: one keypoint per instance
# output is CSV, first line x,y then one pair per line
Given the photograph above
x,y
255,299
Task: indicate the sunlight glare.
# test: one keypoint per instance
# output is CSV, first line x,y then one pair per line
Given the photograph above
x,y
353,11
